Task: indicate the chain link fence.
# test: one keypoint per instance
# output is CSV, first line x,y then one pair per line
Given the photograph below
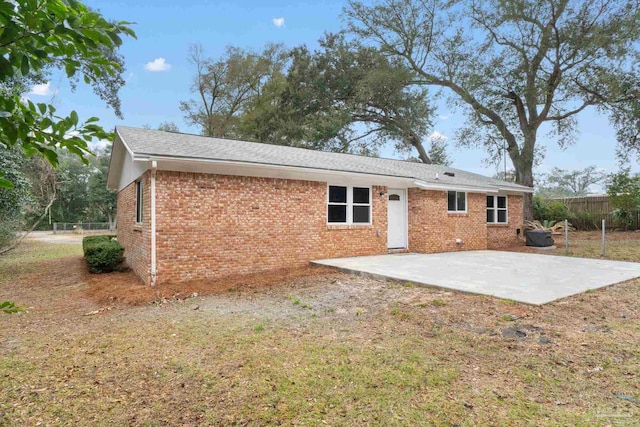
x,y
82,227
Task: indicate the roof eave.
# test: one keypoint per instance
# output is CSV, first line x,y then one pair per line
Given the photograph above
x,y
453,187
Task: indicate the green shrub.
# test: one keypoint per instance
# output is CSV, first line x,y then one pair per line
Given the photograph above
x,y
89,240
583,221
549,210
102,253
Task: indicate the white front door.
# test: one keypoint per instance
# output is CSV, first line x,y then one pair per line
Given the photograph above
x,y
397,219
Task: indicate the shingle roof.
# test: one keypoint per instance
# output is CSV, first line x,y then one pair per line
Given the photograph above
x,y
146,142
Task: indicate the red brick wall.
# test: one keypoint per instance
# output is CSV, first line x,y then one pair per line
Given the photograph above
x,y
136,239
504,235
213,225
432,229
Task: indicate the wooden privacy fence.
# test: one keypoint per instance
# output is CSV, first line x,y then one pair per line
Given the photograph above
x,y
595,205
598,208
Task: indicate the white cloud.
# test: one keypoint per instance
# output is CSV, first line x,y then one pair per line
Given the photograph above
x,y
99,145
443,117
43,89
437,136
157,65
278,22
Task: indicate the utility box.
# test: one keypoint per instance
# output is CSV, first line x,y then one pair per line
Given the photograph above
x,y
539,238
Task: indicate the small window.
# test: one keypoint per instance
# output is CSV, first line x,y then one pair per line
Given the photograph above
x,y
360,195
394,197
348,205
361,205
497,209
456,201
139,199
337,213
337,194
361,214
337,209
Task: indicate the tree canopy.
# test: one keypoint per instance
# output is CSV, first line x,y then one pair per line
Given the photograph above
x,y
61,34
350,97
343,96
516,66
569,183
223,87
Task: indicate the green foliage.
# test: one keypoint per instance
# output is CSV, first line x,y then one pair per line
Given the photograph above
x,y
623,190
549,210
168,127
437,152
517,66
566,183
225,86
583,221
344,97
71,202
55,34
102,253
101,202
13,201
90,240
347,96
10,307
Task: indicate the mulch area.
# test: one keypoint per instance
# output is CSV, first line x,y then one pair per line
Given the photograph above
x,y
126,288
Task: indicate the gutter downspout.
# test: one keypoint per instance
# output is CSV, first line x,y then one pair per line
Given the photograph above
x,y
154,272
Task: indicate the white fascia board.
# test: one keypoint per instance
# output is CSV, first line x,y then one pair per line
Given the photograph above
x,y
453,187
516,191
120,163
116,164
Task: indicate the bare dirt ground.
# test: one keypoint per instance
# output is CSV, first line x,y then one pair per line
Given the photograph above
x,y
620,245
49,237
305,347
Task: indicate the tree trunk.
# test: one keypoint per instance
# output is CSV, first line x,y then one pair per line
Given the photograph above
x,y
417,143
523,164
110,219
524,176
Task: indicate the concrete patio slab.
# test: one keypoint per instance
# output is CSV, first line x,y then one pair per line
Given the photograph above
x,y
525,277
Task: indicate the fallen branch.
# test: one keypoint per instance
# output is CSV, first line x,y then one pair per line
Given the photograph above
x,y
33,227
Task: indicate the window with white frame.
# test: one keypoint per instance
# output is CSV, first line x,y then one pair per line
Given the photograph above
x,y
497,209
138,202
348,205
456,201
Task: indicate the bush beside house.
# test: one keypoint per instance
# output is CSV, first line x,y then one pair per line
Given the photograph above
x,y
102,253
545,210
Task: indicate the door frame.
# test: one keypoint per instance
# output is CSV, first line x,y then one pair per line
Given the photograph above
x,y
405,214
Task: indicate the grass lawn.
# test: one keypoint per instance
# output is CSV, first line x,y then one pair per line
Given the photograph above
x,y
620,246
311,349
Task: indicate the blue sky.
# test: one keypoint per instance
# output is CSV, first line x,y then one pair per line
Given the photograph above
x,y
165,30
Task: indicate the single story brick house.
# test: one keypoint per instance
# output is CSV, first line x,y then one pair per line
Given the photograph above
x,y
194,207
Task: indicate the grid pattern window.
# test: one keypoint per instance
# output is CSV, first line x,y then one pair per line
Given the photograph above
x,y
138,202
348,205
497,210
456,201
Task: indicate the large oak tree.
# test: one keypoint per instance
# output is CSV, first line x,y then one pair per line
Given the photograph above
x,y
517,67
350,97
